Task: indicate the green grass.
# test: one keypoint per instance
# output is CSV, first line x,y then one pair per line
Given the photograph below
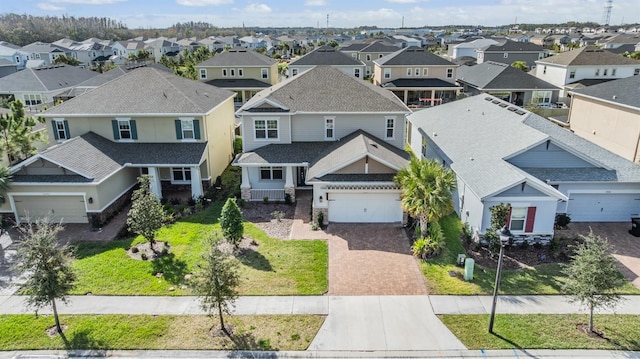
x,y
535,331
278,267
542,279
258,332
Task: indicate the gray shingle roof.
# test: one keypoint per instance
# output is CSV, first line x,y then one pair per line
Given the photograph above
x,y
325,55
379,46
413,83
45,79
238,83
623,91
412,56
296,152
41,47
513,46
238,57
145,91
588,55
493,75
327,89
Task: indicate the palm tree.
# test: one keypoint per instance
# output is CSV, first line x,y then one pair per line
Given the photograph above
x,y
426,190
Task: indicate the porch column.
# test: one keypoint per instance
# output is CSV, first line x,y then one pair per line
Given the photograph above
x,y
155,186
245,186
196,182
406,97
289,187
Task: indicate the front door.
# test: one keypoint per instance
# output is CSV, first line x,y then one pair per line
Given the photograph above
x,y
302,173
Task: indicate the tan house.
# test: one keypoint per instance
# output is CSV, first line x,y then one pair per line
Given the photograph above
x,y
240,70
147,121
608,115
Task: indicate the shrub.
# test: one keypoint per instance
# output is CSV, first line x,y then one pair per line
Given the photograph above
x,y
562,220
191,201
231,222
199,206
320,219
314,226
134,250
144,257
287,198
241,202
174,201
425,247
230,182
265,200
278,215
237,145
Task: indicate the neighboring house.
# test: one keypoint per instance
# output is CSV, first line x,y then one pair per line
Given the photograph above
x,y
418,77
616,41
14,55
325,129
469,48
585,63
7,67
125,48
252,42
512,51
42,54
327,55
190,43
504,154
38,86
85,52
608,115
160,46
148,121
507,83
240,70
369,52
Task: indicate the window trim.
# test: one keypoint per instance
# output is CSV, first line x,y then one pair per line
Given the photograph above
x,y
356,72
184,171
128,121
387,128
193,128
524,218
225,73
449,72
203,74
368,57
417,71
425,71
294,71
272,170
266,129
264,73
409,71
240,72
64,129
232,72
331,120
386,73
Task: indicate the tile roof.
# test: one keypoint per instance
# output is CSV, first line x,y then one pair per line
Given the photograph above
x,y
45,79
325,55
493,75
145,91
329,90
586,56
411,56
238,57
624,91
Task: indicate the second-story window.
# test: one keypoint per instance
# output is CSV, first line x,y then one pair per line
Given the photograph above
x,y
356,72
387,73
60,130
572,74
266,129
264,73
597,72
390,125
613,72
425,71
203,74
294,72
124,129
124,126
449,73
329,123
604,72
240,72
224,73
417,72
368,57
409,71
187,129
232,72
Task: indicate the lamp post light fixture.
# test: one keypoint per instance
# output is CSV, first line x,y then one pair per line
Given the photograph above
x,y
505,235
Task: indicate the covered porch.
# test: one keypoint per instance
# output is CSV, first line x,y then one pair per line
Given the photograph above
x,y
275,182
419,93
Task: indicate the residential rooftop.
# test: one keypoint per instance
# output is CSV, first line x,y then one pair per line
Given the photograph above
x,y
624,91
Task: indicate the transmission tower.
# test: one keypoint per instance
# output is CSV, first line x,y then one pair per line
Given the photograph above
x,y
606,15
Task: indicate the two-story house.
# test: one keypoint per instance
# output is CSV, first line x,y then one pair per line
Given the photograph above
x,y
512,51
469,48
368,52
240,70
12,54
329,131
147,121
418,77
587,63
608,115
162,47
327,55
42,54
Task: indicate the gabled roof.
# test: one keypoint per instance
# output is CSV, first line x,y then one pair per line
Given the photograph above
x,y
493,75
325,55
379,46
145,91
45,79
515,46
329,90
624,91
413,56
238,57
586,56
354,46
41,47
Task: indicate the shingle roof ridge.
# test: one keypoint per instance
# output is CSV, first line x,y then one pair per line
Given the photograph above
x,y
165,79
38,78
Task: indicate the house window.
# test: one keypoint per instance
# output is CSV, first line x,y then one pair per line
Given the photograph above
x,y
409,72
232,72
266,129
425,71
18,59
294,72
240,72
271,173
356,73
203,74
329,133
380,56
264,73
417,72
387,73
368,57
636,72
449,73
32,99
541,97
367,70
180,175
124,128
572,74
187,129
506,55
61,131
224,73
613,72
597,72
544,70
604,72
390,123
518,217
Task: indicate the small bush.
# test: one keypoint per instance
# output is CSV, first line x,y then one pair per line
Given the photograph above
x,y
237,145
174,201
295,337
199,206
320,219
191,201
265,200
432,245
134,250
287,198
144,257
230,181
241,202
314,226
264,344
562,220
277,215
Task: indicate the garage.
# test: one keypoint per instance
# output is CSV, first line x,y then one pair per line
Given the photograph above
x,y
367,207
603,207
68,209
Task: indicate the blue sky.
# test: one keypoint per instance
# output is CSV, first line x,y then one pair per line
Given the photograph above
x,y
342,13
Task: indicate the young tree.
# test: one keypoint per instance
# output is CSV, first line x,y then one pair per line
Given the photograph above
x,y
592,275
215,281
426,190
16,133
69,60
48,266
146,215
231,222
520,65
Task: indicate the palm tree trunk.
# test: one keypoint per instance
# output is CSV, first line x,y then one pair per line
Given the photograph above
x,y
55,315
424,225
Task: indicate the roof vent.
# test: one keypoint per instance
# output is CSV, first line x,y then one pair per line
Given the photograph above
x,y
512,109
520,112
488,98
503,105
614,97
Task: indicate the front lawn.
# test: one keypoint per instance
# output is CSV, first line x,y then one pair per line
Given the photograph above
x,y
540,279
537,331
278,267
186,332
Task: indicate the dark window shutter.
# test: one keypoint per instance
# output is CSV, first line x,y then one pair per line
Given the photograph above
x,y
66,129
531,219
134,129
196,129
508,224
179,129
55,130
116,130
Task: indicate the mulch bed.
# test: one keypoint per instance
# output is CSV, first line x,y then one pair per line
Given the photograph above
x,y
261,215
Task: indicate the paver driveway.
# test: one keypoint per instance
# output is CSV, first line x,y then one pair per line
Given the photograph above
x,y
372,259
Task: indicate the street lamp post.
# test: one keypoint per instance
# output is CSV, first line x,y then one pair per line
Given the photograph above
x,y
505,235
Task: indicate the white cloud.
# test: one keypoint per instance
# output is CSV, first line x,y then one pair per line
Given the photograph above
x,y
258,8
203,2
315,3
49,7
88,2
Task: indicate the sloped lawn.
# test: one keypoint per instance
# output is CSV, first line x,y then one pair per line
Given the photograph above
x,y
278,267
540,279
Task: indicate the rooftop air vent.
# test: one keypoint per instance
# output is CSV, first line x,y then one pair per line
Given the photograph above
x,y
503,105
512,109
520,112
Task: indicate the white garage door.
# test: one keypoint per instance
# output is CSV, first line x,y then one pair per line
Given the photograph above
x,y
603,207
365,207
68,209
